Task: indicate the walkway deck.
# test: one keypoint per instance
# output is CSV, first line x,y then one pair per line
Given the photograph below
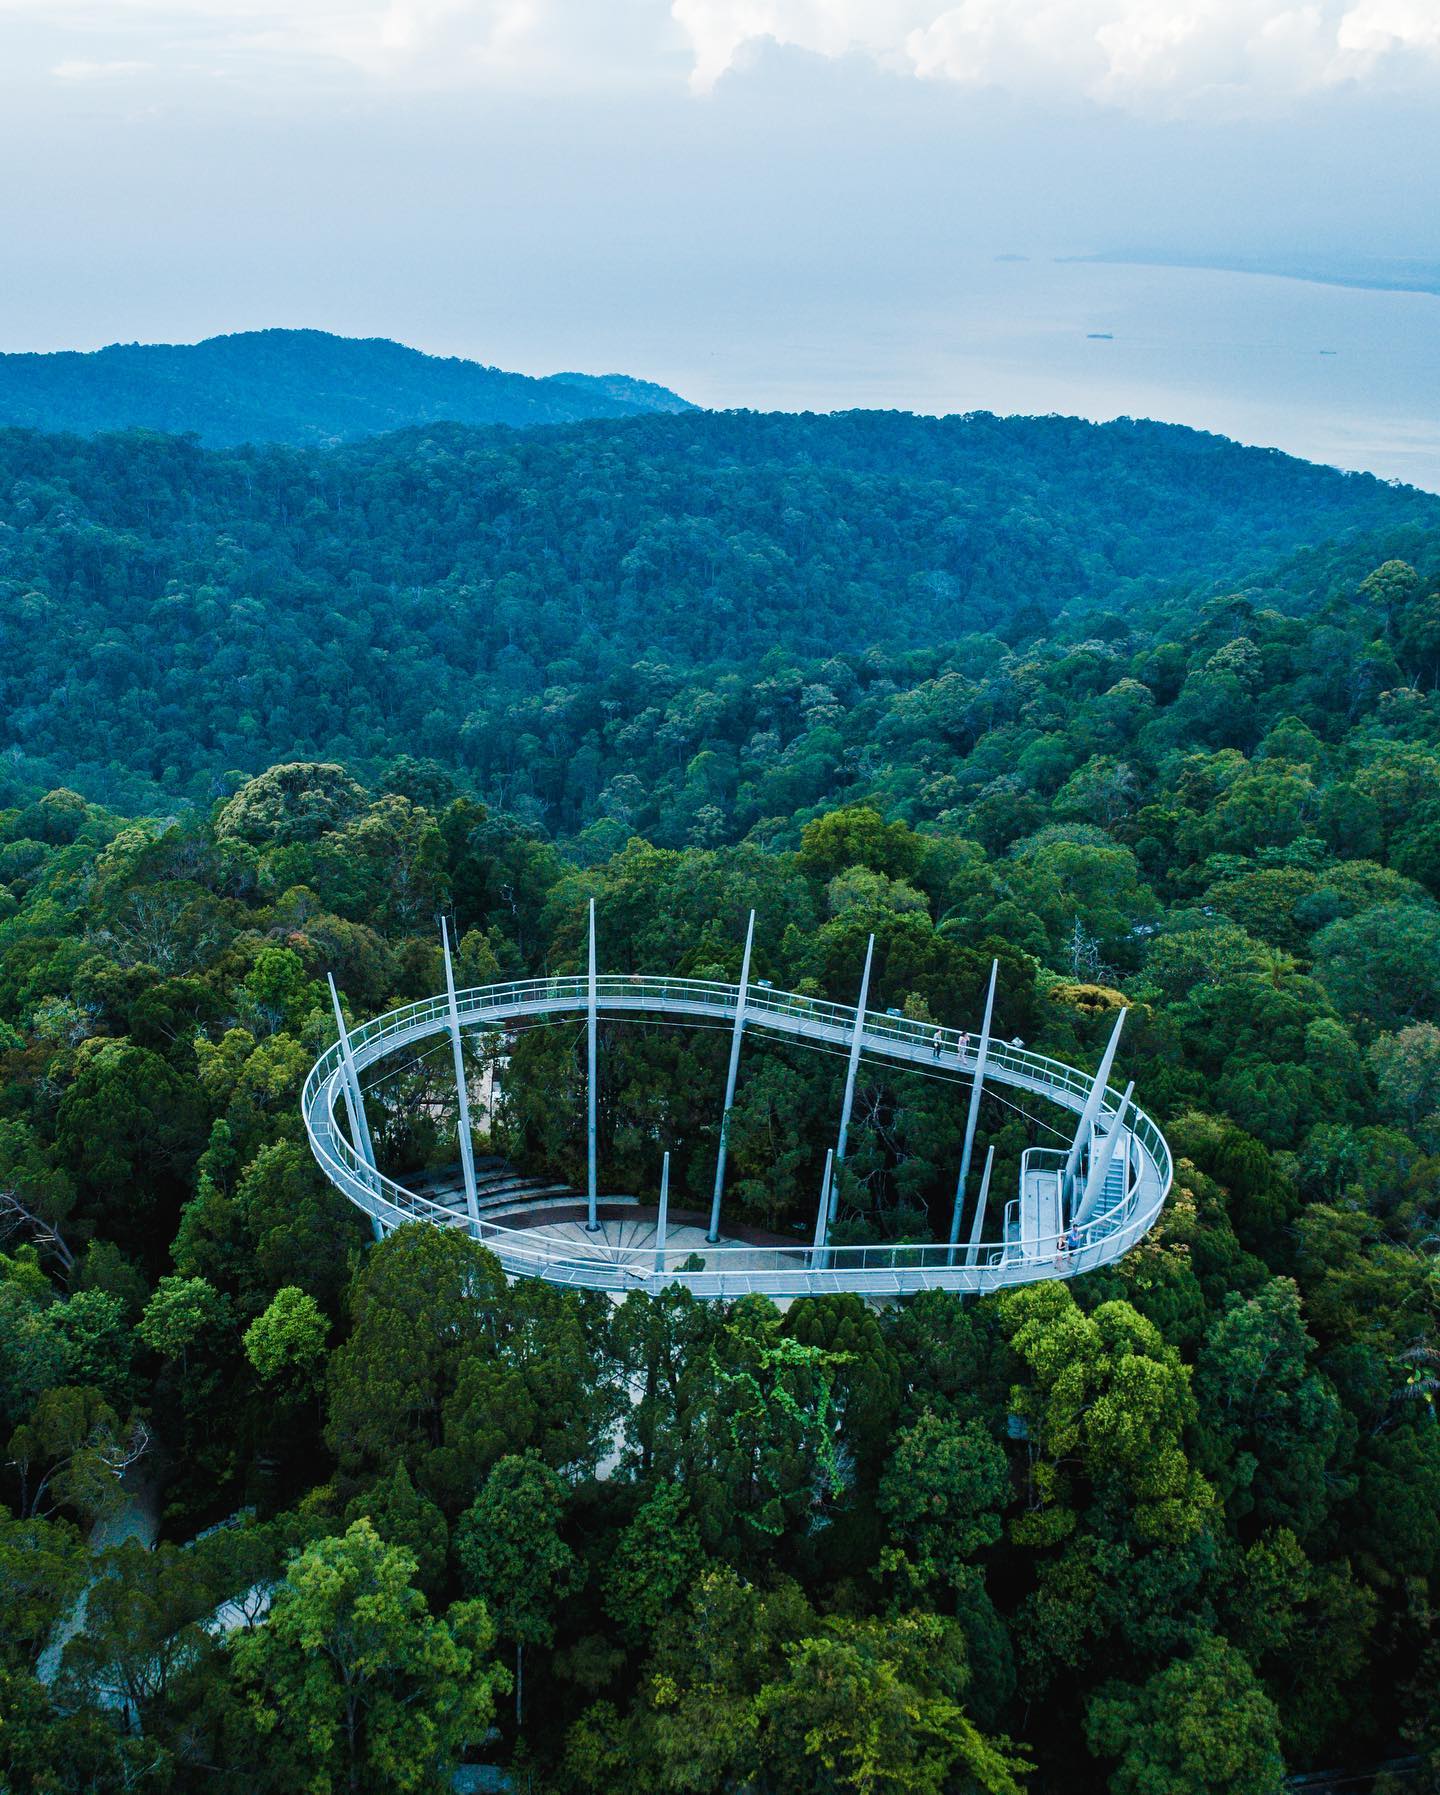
x,y
732,1270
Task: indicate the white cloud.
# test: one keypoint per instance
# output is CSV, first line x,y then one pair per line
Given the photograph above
x,y
1381,26
83,70
1175,56
1150,54
406,43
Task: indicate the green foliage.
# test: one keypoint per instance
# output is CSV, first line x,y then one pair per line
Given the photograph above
x,y
181,1312
142,1636
944,1491
510,1550
603,666
295,803
402,1516
1166,1522
749,1687
1275,1429
1203,1725
869,1706
288,1340
70,1454
42,1570
654,1562
451,1369
1106,1403
512,1556
422,1303
353,1683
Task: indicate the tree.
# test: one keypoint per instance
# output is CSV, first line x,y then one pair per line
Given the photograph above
x,y
276,994
424,1300
72,1453
694,1723
402,1516
1406,1066
512,1556
1389,588
759,1452
1102,1394
748,1688
539,1381
289,1226
127,1128
943,1492
46,1752
1274,1428
859,836
353,1679
43,1567
1202,1726
142,1639
655,1559
1383,966
872,1705
182,1313
867,1376
289,1338
296,802
32,1351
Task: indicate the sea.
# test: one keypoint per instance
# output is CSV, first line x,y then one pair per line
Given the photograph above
x,y
1344,375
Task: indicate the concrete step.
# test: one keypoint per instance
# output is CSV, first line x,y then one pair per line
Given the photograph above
x,y
511,1197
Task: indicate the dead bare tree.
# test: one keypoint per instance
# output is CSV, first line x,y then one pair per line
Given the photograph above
x,y
16,1218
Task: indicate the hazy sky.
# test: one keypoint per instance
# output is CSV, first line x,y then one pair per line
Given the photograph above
x,y
546,183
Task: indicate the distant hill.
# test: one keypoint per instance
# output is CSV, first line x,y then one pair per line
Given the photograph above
x,y
297,386
636,395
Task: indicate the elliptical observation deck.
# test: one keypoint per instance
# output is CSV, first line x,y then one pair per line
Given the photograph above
x,y
1050,1231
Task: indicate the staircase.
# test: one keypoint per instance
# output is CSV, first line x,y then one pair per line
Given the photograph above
x,y
1112,1192
499,1190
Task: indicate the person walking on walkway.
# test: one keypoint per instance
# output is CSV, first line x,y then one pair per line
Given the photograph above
x,y
937,1044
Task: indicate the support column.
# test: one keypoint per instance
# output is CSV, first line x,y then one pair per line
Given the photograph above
x,y
662,1218
982,1054
1089,1113
730,1078
822,1215
354,1097
462,1090
1100,1162
977,1227
854,1065
592,1220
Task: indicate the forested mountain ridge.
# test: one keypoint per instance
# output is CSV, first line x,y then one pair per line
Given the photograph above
x,y
296,386
515,604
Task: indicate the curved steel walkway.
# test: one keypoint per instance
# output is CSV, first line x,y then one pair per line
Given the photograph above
x,y
1137,1194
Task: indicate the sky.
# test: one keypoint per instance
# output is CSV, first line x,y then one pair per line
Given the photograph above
x,y
718,191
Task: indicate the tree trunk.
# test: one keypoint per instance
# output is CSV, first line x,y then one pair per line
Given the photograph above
x,y
519,1681
350,1719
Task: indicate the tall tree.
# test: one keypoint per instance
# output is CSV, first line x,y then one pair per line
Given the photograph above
x,y
354,1683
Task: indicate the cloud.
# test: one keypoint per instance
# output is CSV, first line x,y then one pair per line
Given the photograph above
x,y
1167,55
82,70
1192,57
420,44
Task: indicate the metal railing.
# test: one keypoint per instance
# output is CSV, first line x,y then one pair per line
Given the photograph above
x,y
731,1270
